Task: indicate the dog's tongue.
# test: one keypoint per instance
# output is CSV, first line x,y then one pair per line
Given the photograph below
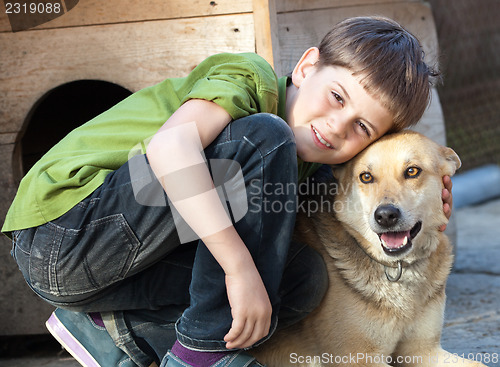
x,y
394,239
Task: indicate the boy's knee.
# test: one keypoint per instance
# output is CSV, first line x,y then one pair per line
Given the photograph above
x,y
266,130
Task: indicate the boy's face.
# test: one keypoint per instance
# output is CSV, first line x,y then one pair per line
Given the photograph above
x,y
331,114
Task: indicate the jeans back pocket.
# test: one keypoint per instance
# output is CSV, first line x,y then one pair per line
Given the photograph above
x,y
67,262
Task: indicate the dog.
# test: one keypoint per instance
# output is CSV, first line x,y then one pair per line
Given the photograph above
x,y
387,261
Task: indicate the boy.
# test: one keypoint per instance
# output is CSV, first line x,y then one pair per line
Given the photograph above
x,y
91,234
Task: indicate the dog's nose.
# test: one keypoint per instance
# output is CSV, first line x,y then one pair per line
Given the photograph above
x,y
387,215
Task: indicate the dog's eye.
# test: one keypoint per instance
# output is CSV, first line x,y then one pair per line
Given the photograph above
x,y
412,172
366,178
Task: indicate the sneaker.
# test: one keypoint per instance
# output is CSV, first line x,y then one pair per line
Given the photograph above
x,y
237,359
89,343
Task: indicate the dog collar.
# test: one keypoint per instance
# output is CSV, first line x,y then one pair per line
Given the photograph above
x,y
398,266
391,278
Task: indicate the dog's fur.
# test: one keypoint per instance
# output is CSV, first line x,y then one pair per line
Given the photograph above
x,y
365,319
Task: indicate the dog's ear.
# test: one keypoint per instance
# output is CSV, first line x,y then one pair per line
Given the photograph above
x,y
451,161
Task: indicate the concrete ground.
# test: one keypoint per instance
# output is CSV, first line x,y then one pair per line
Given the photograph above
x,y
472,323
472,320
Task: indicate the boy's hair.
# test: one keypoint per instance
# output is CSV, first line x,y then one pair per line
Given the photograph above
x,y
390,61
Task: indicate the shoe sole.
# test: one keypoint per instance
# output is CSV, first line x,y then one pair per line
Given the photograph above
x,y
69,342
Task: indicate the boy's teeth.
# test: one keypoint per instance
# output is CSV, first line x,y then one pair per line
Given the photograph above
x,y
323,141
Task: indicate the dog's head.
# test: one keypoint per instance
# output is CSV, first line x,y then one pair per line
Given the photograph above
x,y
390,195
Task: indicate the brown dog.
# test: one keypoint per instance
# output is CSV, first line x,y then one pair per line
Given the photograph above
x,y
388,263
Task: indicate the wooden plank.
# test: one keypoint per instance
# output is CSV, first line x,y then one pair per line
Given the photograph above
x,y
94,12
300,5
7,180
133,55
298,31
7,138
266,30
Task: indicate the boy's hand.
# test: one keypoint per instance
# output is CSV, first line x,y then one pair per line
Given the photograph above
x,y
250,308
447,199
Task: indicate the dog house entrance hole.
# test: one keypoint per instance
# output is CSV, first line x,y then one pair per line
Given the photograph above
x,y
61,110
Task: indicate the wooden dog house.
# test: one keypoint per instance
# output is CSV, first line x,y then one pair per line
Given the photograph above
x,y
56,75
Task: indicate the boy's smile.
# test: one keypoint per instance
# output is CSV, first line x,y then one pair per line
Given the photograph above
x,y
331,114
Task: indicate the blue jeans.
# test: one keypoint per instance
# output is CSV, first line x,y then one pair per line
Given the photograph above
x,y
113,255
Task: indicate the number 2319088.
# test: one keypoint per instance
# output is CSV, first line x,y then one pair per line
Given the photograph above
x,y
33,8
478,357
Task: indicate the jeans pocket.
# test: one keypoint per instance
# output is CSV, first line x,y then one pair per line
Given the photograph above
x,y
78,261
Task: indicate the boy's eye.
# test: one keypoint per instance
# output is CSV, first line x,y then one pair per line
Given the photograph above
x,y
338,97
364,128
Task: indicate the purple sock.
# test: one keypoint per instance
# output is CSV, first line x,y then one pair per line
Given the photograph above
x,y
96,317
195,358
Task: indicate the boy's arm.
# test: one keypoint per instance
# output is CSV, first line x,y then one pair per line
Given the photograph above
x,y
175,156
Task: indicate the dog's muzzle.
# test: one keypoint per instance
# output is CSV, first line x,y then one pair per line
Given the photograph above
x,y
394,242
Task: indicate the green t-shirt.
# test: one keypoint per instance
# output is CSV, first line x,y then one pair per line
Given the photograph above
x,y
242,84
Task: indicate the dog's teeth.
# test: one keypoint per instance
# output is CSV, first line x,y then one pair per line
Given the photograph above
x,y
405,241
384,243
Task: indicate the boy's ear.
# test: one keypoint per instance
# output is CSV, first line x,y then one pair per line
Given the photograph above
x,y
306,63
